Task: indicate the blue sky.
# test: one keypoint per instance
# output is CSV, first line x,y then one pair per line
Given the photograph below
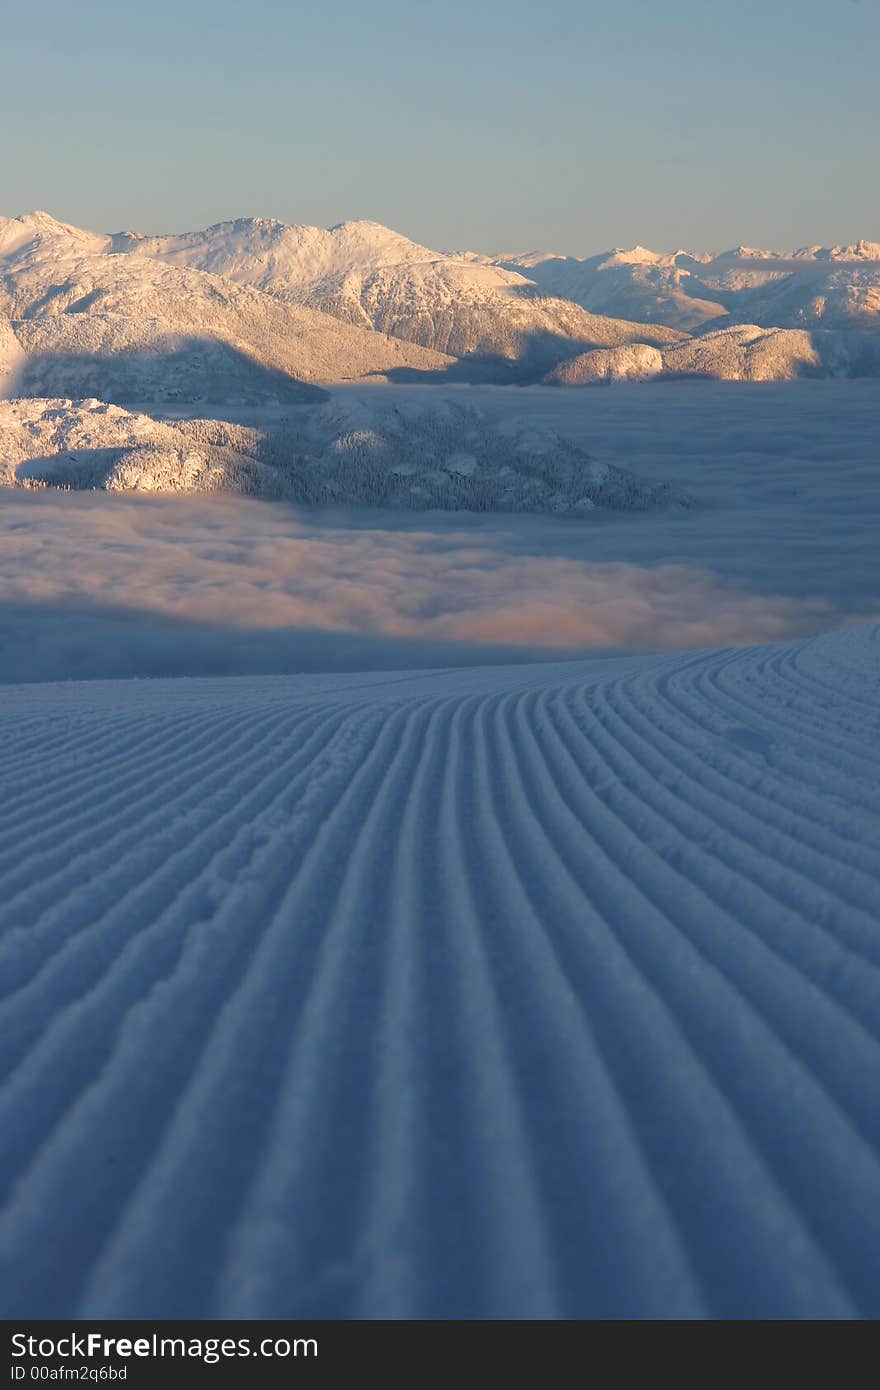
x,y
570,125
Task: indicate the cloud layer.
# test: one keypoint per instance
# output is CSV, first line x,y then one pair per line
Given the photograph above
x,y
185,569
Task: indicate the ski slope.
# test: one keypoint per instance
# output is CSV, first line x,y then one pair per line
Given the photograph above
x,y
536,991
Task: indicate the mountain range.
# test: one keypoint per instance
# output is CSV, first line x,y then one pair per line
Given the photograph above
x,y
254,309
821,287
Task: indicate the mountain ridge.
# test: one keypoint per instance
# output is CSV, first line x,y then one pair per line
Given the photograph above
x,y
255,308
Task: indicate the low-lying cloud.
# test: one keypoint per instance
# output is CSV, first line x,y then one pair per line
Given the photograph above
x,y
94,586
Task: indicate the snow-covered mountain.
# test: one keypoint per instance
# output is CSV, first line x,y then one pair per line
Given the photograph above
x,y
277,257
95,322
747,352
366,274
737,352
255,310
363,452
829,287
639,284
34,236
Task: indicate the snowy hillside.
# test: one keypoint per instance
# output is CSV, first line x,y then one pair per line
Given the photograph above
x,y
639,284
516,992
35,235
742,352
11,356
129,329
362,452
750,353
360,273
836,287
253,311
635,362
366,274
92,444
276,257
135,358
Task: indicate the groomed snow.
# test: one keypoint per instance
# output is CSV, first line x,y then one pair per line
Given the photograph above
x,y
515,992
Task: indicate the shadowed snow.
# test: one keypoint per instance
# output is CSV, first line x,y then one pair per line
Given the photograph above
x,y
546,991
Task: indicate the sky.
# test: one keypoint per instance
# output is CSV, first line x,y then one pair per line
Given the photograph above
x,y
494,125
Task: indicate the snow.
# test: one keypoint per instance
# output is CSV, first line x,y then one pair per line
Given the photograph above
x,y
249,310
358,299
29,236
747,352
779,542
366,274
634,362
740,352
272,256
834,288
11,356
366,452
499,936
512,992
130,329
